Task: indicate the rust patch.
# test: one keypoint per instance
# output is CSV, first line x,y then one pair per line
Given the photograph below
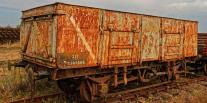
x,y
39,41
190,39
172,39
78,32
118,21
121,38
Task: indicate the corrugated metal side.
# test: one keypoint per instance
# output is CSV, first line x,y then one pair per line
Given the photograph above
x,y
77,36
202,43
150,38
172,39
121,38
190,39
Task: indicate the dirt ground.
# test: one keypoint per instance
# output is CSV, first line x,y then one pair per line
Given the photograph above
x,y
193,93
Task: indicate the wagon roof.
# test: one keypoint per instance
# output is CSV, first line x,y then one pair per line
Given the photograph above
x,y
56,3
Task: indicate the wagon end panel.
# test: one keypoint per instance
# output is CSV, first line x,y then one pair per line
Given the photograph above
x,y
190,39
120,38
77,36
172,39
36,38
150,38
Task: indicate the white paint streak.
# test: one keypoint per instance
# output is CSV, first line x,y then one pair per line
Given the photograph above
x,y
80,34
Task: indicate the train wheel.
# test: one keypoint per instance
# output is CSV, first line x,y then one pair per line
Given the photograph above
x,y
86,91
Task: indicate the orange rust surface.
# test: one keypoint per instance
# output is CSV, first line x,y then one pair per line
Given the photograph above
x,y
39,42
86,37
172,39
120,38
190,39
118,21
77,36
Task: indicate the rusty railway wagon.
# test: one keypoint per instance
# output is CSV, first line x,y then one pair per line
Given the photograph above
x,y
91,51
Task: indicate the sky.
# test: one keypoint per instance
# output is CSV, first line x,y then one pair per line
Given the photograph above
x,y
10,10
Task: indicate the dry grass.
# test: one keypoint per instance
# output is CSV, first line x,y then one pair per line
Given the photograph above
x,y
9,52
15,85
9,45
14,82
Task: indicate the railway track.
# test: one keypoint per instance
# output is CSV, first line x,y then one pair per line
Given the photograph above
x,y
40,99
133,94
130,94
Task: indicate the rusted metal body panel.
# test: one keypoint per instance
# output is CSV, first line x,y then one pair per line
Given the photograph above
x,y
37,35
72,36
150,38
172,39
123,22
190,39
120,38
77,36
202,44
